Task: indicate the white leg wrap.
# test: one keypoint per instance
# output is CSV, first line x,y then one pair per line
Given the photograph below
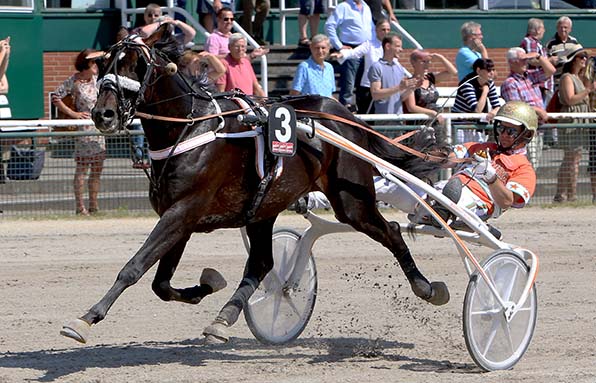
x,y
318,200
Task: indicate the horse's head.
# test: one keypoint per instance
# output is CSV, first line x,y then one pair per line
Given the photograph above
x,y
130,66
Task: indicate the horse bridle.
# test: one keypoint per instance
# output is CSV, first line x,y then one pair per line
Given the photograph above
x,y
116,83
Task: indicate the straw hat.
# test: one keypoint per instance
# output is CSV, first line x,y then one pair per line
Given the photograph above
x,y
570,51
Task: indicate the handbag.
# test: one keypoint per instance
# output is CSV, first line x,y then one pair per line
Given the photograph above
x,y
554,105
68,100
25,163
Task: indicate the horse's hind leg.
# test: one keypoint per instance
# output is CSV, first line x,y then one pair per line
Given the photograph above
x,y
210,280
259,263
361,213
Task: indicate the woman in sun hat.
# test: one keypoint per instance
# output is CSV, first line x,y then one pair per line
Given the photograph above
x,y
574,94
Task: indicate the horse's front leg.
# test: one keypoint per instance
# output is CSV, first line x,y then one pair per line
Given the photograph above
x,y
260,262
210,281
168,233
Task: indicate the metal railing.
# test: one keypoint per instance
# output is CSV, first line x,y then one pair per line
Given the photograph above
x,y
126,189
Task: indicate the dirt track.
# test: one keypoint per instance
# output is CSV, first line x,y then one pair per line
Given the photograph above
x,y
367,325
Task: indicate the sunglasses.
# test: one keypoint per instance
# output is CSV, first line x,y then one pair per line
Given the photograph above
x,y
227,18
511,132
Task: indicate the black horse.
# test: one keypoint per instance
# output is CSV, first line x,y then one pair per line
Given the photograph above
x,y
216,185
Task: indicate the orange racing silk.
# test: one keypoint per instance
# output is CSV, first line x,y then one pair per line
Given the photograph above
x,y
513,169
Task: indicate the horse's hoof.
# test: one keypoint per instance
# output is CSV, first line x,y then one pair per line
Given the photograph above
x,y
440,294
213,278
212,340
77,329
216,333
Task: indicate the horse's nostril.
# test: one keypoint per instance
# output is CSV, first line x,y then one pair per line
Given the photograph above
x,y
109,113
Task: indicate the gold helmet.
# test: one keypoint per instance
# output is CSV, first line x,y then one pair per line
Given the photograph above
x,y
520,114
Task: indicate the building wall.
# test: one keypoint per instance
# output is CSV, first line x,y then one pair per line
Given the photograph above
x,y
496,54
25,69
58,66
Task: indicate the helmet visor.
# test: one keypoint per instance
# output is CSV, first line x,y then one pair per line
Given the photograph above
x,y
509,120
511,131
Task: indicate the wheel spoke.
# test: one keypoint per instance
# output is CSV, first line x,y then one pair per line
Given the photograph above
x,y
292,305
286,261
274,275
269,287
509,287
258,300
485,312
275,311
523,309
507,334
491,337
483,286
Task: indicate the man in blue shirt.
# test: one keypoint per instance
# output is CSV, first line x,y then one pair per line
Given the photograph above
x,y
348,26
315,76
473,49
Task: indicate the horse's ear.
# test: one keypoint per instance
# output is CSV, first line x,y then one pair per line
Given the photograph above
x,y
122,33
159,34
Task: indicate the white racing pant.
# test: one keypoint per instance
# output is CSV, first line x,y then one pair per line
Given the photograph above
x,y
386,190
397,197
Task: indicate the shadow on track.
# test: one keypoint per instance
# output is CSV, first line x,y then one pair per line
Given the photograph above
x,y
56,363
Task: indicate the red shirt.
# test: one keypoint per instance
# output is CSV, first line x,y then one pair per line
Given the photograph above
x,y
239,74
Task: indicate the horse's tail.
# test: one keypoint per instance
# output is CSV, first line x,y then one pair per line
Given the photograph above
x,y
424,142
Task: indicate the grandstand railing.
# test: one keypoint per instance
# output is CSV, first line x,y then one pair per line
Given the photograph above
x,y
126,189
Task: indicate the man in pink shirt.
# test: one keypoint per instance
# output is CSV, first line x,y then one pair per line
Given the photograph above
x,y
217,42
239,73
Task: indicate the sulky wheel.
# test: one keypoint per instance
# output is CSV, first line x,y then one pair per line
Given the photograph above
x,y
276,314
493,342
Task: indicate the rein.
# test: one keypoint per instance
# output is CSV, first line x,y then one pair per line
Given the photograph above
x,y
395,142
151,63
188,120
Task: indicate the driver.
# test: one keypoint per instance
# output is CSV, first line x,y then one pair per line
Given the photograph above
x,y
499,177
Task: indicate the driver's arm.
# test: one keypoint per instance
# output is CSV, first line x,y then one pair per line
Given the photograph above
x,y
502,196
